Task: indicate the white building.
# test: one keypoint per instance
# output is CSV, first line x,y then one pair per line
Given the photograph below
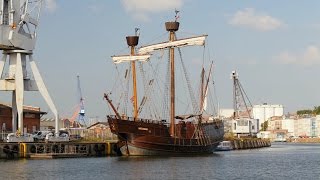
x,y
307,127
264,111
245,126
288,124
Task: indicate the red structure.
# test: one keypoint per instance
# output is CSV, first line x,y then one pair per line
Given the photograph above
x,y
31,118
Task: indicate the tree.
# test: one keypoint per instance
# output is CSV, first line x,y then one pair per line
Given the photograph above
x,y
316,110
304,111
264,126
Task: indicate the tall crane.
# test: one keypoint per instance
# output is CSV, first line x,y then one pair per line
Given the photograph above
x,y
19,20
241,103
81,117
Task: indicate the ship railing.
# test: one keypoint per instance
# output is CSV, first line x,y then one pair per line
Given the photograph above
x,y
151,121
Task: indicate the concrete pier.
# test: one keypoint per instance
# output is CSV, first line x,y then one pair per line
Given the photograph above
x,y
56,150
247,143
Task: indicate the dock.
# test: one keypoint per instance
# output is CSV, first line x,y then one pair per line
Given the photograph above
x,y
249,143
42,150
57,155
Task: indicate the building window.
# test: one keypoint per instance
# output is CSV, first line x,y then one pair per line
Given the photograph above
x,y
243,122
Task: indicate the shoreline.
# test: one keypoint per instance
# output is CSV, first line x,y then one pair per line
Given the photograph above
x,y
304,140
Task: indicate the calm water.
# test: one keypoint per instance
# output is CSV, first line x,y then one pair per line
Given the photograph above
x,y
281,161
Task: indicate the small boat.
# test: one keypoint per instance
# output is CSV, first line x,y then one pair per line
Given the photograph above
x,y
280,139
224,146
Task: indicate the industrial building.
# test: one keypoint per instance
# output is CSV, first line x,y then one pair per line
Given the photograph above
x,y
31,118
265,111
282,127
307,127
47,124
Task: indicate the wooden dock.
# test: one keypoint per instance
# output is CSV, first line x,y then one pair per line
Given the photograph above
x,y
44,150
250,143
57,155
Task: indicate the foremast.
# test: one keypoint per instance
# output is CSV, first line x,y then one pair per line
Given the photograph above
x,y
132,41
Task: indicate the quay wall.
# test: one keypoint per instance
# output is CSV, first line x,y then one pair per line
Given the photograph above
x,y
303,140
238,144
26,150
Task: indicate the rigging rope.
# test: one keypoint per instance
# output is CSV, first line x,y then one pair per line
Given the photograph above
x,y
193,99
165,107
126,92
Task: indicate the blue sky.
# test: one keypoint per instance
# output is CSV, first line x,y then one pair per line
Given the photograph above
x,y
274,46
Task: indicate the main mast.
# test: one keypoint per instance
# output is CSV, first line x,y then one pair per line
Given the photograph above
x,y
172,27
133,41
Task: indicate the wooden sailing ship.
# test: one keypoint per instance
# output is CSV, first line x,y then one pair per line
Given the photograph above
x,y
191,134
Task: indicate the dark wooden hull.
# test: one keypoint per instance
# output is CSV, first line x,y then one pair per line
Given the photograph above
x,y
146,137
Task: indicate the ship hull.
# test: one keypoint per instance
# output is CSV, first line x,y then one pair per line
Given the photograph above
x,y
142,138
133,150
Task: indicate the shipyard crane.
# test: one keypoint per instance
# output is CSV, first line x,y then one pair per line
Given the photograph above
x,y
242,109
241,103
81,117
19,20
78,117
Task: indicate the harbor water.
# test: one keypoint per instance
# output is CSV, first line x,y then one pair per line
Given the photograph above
x,y
280,161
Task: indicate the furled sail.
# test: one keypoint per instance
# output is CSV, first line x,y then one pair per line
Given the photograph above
x,y
129,58
193,41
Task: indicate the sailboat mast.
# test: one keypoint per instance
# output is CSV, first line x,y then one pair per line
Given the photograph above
x,y
172,27
132,41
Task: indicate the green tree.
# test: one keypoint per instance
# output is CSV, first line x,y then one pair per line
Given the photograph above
x,y
304,111
264,126
316,110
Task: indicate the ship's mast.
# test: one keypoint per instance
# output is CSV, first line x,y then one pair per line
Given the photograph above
x,y
172,27
133,41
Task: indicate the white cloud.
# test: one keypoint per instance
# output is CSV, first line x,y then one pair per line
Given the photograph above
x,y
140,9
309,56
51,5
258,21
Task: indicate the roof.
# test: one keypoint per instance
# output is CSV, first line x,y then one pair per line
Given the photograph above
x,y
50,119
103,123
28,109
